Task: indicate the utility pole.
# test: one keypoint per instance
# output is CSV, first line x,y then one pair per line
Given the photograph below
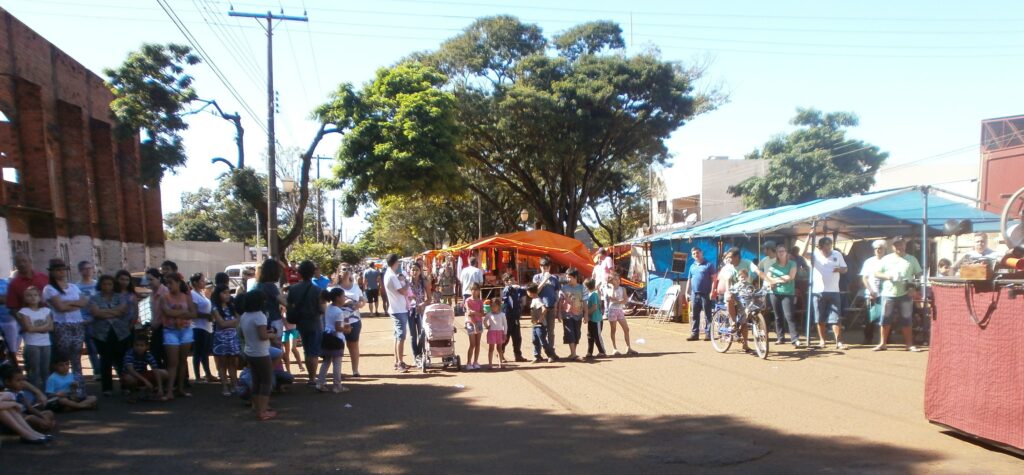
x,y
272,238
319,199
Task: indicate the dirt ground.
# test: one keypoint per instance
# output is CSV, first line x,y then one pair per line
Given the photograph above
x,y
678,407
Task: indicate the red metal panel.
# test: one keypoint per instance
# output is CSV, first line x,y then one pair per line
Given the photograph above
x,y
1002,173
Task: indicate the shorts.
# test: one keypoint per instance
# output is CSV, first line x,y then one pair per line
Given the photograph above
x,y
311,340
826,307
474,328
401,322
372,295
177,336
357,328
290,335
615,314
572,330
897,311
495,337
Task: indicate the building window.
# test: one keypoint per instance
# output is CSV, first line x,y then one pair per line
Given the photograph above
x,y
662,207
65,252
679,261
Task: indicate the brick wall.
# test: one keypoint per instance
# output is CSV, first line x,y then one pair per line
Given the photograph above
x,y
77,181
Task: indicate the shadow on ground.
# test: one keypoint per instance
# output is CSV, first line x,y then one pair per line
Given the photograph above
x,y
416,428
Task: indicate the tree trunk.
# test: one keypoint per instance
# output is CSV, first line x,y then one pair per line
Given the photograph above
x,y
300,213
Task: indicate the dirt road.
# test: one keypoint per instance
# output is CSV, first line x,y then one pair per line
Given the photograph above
x,y
678,407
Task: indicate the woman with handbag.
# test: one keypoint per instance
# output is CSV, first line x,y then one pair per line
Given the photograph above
x,y
333,344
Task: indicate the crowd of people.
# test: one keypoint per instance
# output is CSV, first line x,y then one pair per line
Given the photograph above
x,y
253,332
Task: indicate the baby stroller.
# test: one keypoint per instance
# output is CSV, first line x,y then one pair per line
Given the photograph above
x,y
439,337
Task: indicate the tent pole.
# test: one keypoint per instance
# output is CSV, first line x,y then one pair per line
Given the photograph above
x,y
810,281
924,242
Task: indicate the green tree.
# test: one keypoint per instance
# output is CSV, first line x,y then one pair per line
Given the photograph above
x,y
219,209
401,140
815,161
553,123
622,208
321,254
194,230
151,90
349,253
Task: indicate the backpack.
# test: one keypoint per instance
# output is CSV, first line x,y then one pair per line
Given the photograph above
x,y
295,307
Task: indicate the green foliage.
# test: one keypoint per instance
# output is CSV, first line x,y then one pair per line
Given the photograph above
x,y
349,253
402,136
195,230
221,209
321,254
151,90
552,130
815,161
622,209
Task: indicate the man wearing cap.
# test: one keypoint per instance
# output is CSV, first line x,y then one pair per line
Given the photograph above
x,y
826,266
872,287
896,271
769,257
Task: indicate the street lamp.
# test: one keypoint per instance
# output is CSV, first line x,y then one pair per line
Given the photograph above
x,y
288,185
524,215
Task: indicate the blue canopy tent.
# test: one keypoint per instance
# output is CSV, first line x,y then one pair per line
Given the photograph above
x,y
880,214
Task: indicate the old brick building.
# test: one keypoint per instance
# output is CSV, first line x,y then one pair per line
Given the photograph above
x,y
69,188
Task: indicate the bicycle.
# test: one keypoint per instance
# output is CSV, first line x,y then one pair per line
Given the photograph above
x,y
724,331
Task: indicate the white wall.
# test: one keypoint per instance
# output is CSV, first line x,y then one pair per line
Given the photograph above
x,y
206,257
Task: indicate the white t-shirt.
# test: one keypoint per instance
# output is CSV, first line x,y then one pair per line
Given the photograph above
x,y
468,276
355,294
248,324
334,315
766,264
615,296
397,302
730,275
71,294
868,270
203,305
38,319
824,278
497,321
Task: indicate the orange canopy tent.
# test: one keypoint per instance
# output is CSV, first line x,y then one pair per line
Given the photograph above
x,y
563,250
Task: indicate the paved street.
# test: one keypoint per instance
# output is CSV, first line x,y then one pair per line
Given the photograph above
x,y
678,407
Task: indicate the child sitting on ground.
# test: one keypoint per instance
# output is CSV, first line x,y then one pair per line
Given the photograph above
x,y
496,326
141,372
68,388
540,327
30,398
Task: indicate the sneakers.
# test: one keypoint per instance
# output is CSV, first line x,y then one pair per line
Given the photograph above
x,y
693,338
339,389
536,359
914,349
552,359
879,348
796,343
841,346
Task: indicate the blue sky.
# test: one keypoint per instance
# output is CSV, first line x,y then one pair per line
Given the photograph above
x,y
920,74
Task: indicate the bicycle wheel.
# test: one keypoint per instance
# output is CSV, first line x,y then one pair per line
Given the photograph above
x,y
759,330
721,331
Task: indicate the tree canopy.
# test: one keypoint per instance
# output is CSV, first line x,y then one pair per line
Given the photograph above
x,y
516,119
151,90
815,161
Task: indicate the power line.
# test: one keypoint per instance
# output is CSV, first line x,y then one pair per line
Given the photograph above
x,y
206,57
226,40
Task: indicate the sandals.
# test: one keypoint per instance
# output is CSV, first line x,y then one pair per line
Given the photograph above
x,y
267,415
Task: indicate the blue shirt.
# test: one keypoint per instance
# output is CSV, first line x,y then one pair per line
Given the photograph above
x,y
701,275
322,281
57,383
87,290
549,294
371,278
5,313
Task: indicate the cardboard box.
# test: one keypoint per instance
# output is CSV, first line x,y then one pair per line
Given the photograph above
x,y
975,272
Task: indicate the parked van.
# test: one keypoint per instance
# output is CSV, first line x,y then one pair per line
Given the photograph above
x,y
235,273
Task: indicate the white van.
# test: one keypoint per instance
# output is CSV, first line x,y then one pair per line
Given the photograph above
x,y
235,272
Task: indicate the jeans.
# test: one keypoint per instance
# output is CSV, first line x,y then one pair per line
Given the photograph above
x,y
37,363
416,333
594,337
335,362
202,347
700,302
400,321
540,338
111,358
156,346
513,333
898,311
782,305
91,349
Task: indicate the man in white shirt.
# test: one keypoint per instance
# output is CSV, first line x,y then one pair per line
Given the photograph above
x,y
826,265
872,287
395,284
469,276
